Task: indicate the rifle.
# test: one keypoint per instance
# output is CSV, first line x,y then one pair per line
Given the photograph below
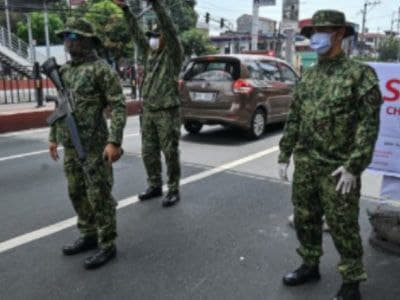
x,y
64,110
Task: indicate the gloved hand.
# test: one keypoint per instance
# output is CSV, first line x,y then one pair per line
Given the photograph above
x,y
347,181
282,171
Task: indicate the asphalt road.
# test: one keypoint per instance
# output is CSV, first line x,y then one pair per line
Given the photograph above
x,y
227,239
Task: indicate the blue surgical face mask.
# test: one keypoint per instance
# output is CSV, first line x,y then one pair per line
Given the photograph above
x,y
321,42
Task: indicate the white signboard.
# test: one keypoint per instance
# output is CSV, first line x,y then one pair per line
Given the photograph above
x,y
387,149
289,25
265,2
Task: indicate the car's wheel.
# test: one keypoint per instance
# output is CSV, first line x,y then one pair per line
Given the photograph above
x,y
193,127
257,126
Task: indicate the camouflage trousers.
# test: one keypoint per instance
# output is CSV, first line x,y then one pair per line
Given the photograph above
x,y
161,132
313,196
92,199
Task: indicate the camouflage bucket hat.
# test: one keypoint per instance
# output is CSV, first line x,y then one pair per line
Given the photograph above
x,y
327,18
79,26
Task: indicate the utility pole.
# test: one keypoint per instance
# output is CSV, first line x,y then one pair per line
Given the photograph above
x,y
364,12
398,33
254,26
31,46
8,23
46,29
393,21
398,22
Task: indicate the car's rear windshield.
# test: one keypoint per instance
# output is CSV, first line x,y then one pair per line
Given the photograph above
x,y
216,70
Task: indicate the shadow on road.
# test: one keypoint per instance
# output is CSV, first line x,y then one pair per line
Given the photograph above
x,y
229,136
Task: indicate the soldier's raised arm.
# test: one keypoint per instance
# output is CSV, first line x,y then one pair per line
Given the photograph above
x,y
169,32
137,31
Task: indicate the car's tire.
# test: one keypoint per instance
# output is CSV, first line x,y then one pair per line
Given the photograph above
x,y
192,127
257,125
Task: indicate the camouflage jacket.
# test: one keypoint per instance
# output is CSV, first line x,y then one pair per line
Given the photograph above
x,y
334,118
94,86
159,88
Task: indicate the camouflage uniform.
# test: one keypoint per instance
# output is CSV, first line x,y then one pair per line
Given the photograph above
x,y
94,87
160,122
333,121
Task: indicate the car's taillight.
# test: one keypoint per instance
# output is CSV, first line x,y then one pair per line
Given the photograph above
x,y
241,86
181,84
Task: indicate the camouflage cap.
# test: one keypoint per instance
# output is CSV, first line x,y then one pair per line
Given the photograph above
x,y
327,18
79,26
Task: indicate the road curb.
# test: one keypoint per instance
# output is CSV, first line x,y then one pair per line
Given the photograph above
x,y
29,119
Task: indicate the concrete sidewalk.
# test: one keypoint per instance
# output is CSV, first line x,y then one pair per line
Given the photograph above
x,y
22,116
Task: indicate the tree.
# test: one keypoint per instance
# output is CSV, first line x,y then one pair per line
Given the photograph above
x,y
195,41
183,14
389,50
55,24
109,24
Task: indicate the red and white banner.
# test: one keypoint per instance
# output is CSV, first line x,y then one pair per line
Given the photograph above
x,y
386,158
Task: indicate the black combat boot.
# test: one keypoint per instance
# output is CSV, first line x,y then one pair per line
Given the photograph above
x,y
82,244
302,275
349,291
171,199
150,193
100,258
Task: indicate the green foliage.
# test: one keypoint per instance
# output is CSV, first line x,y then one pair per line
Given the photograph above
x,y
389,49
183,14
109,24
55,24
195,41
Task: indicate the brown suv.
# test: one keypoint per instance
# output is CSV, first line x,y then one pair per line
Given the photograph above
x,y
247,91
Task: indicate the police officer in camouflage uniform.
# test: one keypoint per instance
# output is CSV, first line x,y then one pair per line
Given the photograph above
x,y
160,122
331,130
93,86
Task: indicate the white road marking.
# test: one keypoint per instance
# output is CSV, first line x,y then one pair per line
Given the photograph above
x,y
35,130
22,155
57,227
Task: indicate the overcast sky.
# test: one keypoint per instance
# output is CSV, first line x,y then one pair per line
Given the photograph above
x,y
378,18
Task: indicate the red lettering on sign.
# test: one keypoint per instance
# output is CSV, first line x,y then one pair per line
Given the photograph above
x,y
390,86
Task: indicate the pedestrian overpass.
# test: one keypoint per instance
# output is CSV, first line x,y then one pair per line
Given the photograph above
x,y
15,53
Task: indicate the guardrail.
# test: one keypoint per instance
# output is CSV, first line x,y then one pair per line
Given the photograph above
x,y
18,46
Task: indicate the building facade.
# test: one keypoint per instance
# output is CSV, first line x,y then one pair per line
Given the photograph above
x,y
265,25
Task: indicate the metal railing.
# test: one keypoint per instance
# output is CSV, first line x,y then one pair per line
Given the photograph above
x,y
18,46
15,44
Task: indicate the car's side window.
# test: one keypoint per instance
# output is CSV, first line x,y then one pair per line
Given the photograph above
x,y
270,70
288,75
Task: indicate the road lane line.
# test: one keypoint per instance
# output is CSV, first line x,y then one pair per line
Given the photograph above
x,y
57,227
22,155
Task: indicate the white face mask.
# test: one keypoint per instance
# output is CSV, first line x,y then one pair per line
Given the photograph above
x,y
154,43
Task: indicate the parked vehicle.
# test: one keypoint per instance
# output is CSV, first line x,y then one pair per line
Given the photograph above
x,y
246,91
